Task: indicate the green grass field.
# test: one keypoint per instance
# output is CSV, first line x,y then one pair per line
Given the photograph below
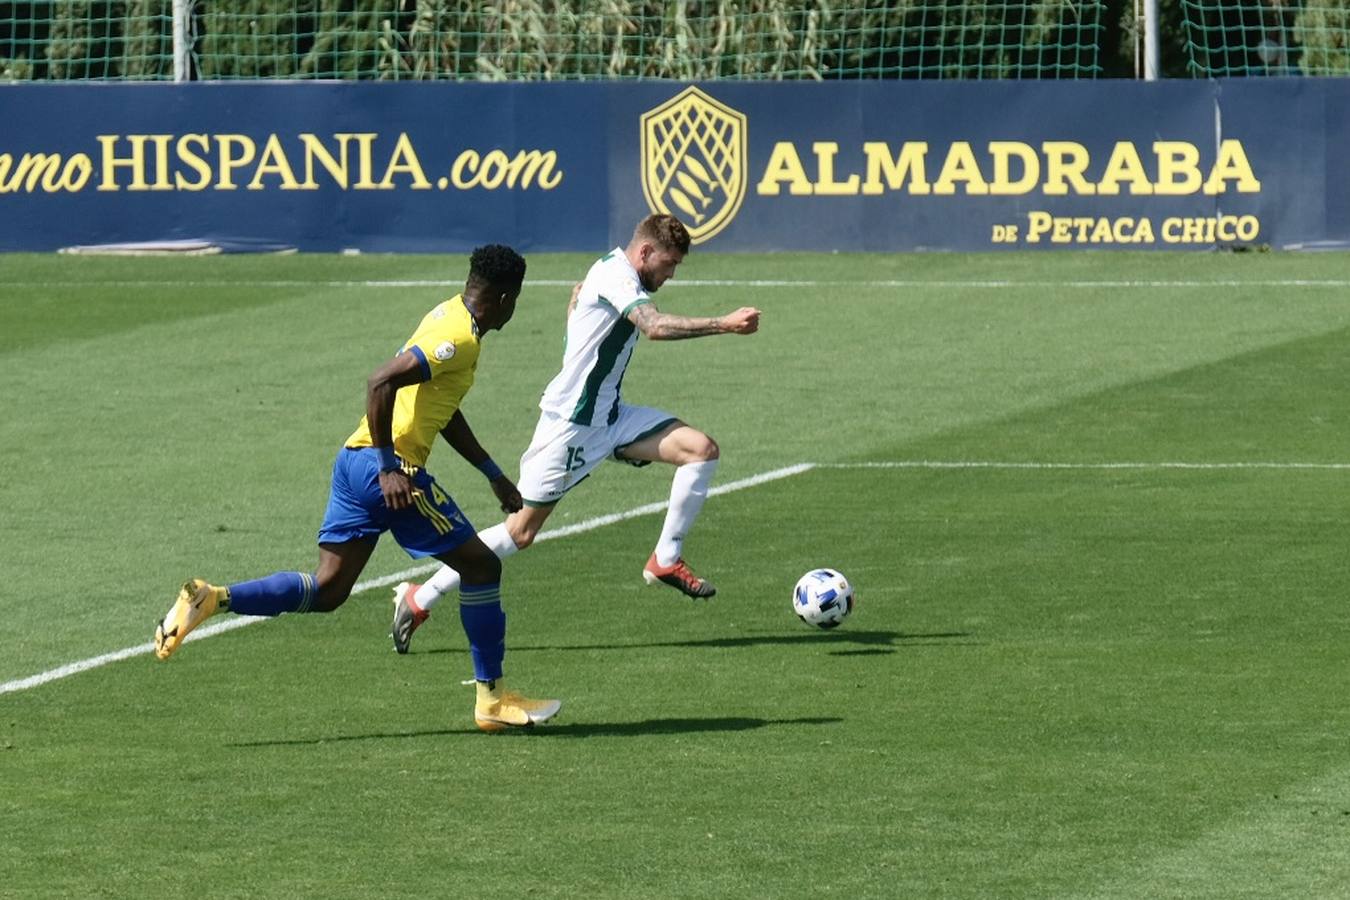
x,y
1094,505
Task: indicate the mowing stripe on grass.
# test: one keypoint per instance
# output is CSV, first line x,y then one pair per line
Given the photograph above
x,y
224,625
1262,850
717,282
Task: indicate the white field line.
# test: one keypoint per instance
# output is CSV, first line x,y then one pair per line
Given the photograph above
x,y
1000,284
233,622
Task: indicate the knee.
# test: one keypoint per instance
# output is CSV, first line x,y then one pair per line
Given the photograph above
x,y
332,587
523,526
522,535
481,569
705,449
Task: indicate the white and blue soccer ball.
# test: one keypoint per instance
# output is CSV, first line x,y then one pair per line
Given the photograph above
x,y
822,598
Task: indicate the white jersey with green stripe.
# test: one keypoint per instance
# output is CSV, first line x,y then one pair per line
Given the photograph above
x,y
599,344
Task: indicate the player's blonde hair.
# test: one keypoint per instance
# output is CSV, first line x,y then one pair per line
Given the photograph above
x,y
665,231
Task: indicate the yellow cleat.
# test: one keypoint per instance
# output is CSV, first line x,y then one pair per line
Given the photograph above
x,y
501,710
197,601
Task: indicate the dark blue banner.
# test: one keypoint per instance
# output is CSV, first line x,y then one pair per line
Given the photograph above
x,y
866,166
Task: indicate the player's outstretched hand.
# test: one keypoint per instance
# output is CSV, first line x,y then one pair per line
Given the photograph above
x,y
507,494
397,488
743,321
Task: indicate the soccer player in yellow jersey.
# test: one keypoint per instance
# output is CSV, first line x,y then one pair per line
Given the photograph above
x,y
380,484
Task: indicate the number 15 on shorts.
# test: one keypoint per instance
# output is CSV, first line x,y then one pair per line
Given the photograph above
x,y
574,458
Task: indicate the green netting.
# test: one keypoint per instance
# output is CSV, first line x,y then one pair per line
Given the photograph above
x,y
556,39
85,39
1267,37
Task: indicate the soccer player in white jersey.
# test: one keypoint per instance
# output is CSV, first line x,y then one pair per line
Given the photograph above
x,y
583,420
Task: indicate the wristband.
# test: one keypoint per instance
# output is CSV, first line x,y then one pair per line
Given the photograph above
x,y
490,469
388,461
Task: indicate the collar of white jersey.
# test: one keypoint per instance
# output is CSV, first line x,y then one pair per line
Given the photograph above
x,y
622,254
628,264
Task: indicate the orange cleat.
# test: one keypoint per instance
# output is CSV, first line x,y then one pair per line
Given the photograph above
x,y
679,576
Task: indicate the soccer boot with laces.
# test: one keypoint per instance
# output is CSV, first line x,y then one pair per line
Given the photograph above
x,y
407,615
679,576
197,601
498,709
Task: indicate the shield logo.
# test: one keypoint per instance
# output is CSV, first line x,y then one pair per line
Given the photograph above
x,y
694,161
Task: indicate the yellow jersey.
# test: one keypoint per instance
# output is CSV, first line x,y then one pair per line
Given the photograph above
x,y
446,343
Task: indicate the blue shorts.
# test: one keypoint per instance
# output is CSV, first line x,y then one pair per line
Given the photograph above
x,y
431,526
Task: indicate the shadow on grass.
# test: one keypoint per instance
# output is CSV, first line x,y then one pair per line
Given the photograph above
x,y
578,730
876,642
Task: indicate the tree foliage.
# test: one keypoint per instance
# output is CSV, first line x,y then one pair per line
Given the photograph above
x,y
494,40
561,39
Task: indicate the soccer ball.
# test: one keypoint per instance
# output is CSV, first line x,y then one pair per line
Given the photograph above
x,y
823,598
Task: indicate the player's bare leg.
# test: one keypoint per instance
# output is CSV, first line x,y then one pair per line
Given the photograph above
x,y
340,565
695,457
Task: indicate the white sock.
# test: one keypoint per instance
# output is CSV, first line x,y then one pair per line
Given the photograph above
x,y
687,493
445,579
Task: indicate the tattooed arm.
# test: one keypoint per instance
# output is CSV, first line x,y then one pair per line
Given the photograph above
x,y
659,326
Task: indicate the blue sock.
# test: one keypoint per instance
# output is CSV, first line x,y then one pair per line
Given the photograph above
x,y
480,610
278,593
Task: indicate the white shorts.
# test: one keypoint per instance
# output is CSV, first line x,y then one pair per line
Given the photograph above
x,y
562,453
